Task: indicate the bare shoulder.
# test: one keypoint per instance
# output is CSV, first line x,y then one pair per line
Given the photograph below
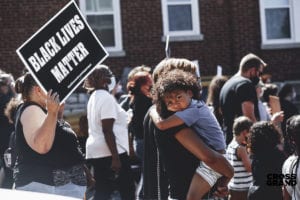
x,y
32,112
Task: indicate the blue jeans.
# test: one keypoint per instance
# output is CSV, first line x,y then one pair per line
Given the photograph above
x,y
69,189
139,148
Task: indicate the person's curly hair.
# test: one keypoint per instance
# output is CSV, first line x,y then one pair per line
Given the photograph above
x,y
293,131
264,138
171,81
170,64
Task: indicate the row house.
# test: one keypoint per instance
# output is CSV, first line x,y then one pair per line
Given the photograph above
x,y
134,32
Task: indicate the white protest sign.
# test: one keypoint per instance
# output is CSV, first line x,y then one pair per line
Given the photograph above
x,y
167,47
219,70
196,62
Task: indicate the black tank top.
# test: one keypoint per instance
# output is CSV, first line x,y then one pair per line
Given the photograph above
x,y
34,167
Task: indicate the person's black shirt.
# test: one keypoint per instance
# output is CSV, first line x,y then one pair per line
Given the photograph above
x,y
234,92
289,109
140,106
32,166
176,164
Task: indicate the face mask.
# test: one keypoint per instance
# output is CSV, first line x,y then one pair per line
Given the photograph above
x,y
254,80
112,84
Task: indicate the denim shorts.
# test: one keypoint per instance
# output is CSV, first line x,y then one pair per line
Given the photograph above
x,y
69,189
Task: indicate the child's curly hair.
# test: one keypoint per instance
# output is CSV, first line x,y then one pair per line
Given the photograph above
x,y
171,81
264,137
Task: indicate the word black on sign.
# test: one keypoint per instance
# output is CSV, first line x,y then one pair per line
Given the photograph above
x,y
62,53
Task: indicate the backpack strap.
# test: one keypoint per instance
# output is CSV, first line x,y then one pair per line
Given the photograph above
x,y
17,114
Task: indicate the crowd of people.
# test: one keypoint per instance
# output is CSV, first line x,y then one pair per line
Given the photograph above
x,y
232,145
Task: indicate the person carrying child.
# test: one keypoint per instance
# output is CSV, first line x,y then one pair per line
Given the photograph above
x,y
179,93
238,157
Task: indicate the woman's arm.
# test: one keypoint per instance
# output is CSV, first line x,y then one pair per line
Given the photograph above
x,y
188,138
107,127
39,128
167,123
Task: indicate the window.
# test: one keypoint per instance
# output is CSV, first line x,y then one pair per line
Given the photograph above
x,y
104,18
280,23
181,18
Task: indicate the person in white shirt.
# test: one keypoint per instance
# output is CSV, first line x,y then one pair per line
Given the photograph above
x,y
107,143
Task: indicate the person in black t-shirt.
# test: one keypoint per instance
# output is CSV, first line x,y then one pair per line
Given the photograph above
x,y
141,101
238,95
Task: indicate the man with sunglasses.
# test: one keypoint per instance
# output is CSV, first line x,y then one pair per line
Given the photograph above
x,y
238,95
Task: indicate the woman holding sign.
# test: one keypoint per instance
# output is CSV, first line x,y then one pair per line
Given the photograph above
x,y
49,159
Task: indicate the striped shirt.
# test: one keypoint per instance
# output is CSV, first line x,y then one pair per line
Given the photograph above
x,y
241,179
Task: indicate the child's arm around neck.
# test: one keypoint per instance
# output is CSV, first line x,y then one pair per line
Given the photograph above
x,y
167,123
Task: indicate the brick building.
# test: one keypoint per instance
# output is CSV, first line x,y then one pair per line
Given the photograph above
x,y
214,32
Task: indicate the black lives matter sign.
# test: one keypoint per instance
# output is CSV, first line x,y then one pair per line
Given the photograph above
x,y
62,53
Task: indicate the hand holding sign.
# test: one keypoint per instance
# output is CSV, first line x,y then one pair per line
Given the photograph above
x,y
52,103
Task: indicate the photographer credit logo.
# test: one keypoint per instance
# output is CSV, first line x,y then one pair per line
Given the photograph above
x,y
281,179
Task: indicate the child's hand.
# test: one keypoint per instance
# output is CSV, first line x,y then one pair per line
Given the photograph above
x,y
221,187
154,115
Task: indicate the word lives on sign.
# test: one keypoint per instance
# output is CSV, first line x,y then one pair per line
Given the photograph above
x,y
62,53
